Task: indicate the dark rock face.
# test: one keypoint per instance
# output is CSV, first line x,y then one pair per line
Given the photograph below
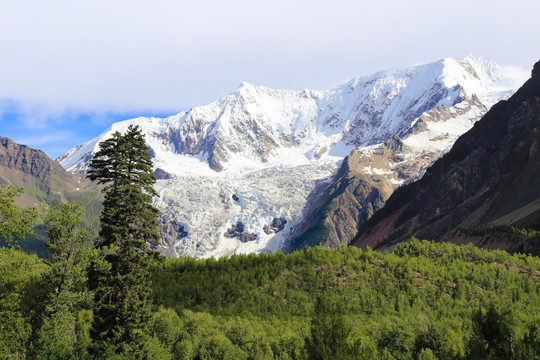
x,y
171,231
490,178
536,70
277,225
247,237
336,215
237,231
161,174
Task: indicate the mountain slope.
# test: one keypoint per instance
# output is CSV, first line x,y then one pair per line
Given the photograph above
x,y
481,191
254,157
45,182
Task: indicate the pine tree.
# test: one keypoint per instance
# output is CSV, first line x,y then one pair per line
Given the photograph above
x,y
128,223
329,330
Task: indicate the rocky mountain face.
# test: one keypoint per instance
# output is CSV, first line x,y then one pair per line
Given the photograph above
x,y
45,182
485,190
261,154
370,174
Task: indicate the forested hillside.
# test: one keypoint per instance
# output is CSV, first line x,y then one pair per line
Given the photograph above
x,y
453,302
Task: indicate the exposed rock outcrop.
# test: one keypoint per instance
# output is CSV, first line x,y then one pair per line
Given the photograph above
x,y
45,182
237,231
171,232
161,174
276,226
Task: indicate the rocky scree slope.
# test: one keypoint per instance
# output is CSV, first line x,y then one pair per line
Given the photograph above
x,y
482,191
254,157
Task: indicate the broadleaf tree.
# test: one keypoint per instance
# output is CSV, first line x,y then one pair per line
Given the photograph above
x,y
65,283
128,224
14,222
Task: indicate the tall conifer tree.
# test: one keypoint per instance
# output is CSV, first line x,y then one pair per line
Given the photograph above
x,y
128,224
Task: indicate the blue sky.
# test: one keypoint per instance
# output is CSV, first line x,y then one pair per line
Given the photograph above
x,y
56,131
69,68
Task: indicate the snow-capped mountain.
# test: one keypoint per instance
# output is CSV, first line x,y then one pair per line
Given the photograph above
x,y
231,169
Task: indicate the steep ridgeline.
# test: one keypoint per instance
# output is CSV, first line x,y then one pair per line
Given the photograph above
x,y
486,190
235,175
45,182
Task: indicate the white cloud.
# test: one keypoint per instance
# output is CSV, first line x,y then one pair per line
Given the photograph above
x,y
174,54
516,72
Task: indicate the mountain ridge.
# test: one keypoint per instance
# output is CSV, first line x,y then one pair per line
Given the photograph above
x,y
481,190
361,112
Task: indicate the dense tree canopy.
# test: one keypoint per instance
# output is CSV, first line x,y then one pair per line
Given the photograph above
x,y
15,327
65,284
422,301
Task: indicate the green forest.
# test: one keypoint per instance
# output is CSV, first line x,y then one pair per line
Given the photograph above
x,y
422,301
110,296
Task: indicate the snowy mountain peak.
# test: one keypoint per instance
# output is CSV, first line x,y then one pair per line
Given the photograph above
x,y
254,156
260,125
246,87
485,68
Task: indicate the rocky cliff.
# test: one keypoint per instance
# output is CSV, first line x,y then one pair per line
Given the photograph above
x,y
485,190
45,181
